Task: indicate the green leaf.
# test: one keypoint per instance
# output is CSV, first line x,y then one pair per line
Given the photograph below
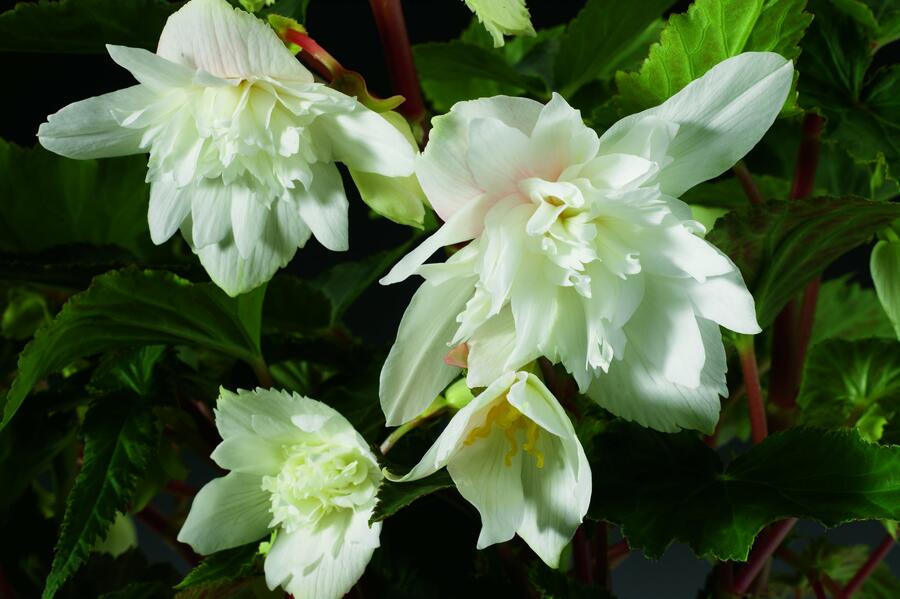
x,y
728,193
885,267
554,584
130,369
603,38
708,33
139,590
393,497
662,488
880,17
863,114
25,312
120,439
851,384
100,202
223,566
83,26
781,246
134,308
847,311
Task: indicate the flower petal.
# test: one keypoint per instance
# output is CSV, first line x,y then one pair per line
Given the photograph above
x,y
414,372
323,207
227,42
152,70
249,217
489,347
365,141
169,206
250,454
556,497
324,562
720,117
531,397
725,300
88,129
562,138
210,212
227,512
257,412
635,389
442,168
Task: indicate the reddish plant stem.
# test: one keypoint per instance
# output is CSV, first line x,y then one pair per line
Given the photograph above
x,y
263,375
617,551
759,429
807,316
181,489
817,587
157,522
581,549
763,549
724,575
786,351
746,180
867,568
395,40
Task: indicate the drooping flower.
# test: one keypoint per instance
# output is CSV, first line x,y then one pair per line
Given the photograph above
x,y
298,470
502,17
582,252
242,142
513,454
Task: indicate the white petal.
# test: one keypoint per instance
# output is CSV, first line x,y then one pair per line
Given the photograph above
x,y
499,156
725,300
485,479
261,412
534,307
414,372
323,207
556,497
636,390
363,140
675,250
249,217
323,563
465,224
720,117
453,435
489,347
562,138
442,169
664,330
88,129
210,212
152,70
168,208
227,512
618,171
531,397
227,42
250,454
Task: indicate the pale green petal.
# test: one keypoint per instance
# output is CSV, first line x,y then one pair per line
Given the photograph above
x,y
249,453
323,207
227,42
227,512
885,266
152,70
88,129
720,117
260,412
168,208
324,562
414,372
365,141
502,17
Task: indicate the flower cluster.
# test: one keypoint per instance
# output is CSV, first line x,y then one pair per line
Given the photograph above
x,y
577,251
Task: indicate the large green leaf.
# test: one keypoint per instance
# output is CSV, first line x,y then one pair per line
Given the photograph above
x,y
84,26
861,107
846,310
49,200
393,497
781,246
222,567
662,488
135,308
852,383
120,438
885,267
602,38
708,33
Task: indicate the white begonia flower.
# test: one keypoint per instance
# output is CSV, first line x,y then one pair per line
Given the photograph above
x,y
300,470
513,454
581,251
242,142
499,17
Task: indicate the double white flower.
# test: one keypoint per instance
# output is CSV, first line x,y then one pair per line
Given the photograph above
x,y
582,252
242,142
298,470
514,455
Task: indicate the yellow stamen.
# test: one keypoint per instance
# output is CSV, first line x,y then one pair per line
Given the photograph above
x,y
510,420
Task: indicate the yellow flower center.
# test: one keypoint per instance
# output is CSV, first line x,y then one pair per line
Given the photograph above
x,y
510,420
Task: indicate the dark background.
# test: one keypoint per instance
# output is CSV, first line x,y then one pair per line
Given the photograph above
x,y
36,85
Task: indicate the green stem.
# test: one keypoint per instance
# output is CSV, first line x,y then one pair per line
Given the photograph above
x,y
261,370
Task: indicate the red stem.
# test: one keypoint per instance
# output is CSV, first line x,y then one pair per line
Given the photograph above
x,y
581,550
746,180
807,316
817,588
763,549
759,429
156,522
392,30
788,349
867,568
